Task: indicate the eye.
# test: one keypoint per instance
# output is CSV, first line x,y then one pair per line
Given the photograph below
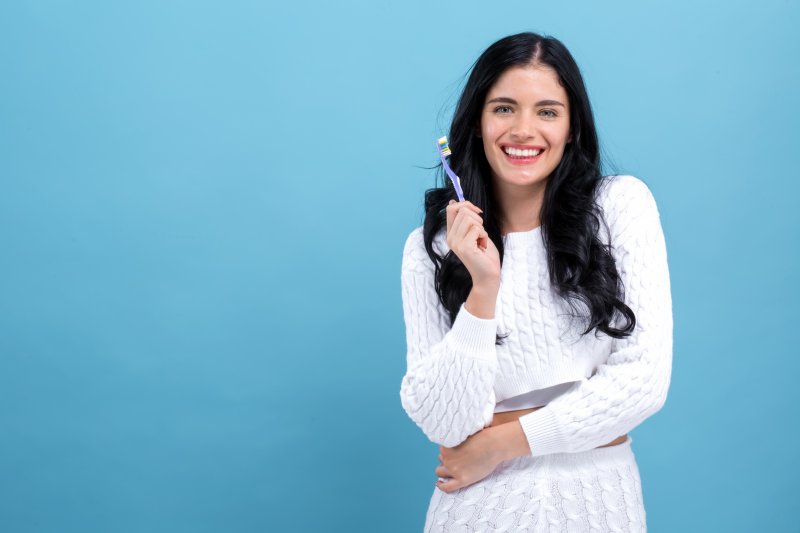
x,y
552,114
496,109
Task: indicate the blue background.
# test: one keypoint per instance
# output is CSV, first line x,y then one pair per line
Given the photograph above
x,y
202,217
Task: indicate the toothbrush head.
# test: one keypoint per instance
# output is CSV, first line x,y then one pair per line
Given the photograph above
x,y
444,148
444,151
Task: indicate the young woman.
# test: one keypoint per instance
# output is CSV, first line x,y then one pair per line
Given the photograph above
x,y
538,311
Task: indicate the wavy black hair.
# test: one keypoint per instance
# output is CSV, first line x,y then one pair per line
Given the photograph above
x,y
581,267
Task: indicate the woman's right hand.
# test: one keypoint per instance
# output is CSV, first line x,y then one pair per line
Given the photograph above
x,y
471,243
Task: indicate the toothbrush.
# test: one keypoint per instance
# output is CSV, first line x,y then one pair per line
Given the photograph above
x,y
444,151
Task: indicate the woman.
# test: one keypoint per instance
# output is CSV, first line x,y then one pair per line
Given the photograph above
x,y
538,311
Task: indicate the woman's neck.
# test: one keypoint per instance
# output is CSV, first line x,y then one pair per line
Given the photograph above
x,y
520,209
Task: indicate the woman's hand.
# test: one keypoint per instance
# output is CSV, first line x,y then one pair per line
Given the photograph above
x,y
471,243
469,462
479,455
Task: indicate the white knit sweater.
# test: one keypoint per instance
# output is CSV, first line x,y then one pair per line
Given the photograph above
x,y
456,375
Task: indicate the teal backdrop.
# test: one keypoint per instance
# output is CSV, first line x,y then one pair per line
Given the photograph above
x,y
202,216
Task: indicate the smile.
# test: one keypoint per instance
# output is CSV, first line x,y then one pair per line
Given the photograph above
x,y
522,157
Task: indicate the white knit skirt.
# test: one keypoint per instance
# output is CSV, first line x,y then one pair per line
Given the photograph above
x,y
594,491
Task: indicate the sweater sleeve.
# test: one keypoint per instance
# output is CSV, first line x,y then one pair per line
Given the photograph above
x,y
448,387
631,385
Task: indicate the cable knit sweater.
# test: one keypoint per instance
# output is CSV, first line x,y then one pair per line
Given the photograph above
x,y
456,375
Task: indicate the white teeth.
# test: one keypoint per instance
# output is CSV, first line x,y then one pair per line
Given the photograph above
x,y
521,153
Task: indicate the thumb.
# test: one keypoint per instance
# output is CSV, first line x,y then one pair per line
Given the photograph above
x,y
446,484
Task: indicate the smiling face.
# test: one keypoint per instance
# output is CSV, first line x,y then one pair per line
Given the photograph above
x,y
525,127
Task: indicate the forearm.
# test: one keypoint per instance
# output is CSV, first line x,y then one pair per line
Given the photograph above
x,y
482,300
448,388
509,440
451,398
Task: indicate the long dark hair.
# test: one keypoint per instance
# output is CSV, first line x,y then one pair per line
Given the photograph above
x,y
581,267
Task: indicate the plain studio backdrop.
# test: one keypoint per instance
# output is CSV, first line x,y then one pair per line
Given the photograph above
x,y
202,213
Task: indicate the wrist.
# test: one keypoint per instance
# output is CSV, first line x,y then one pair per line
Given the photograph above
x,y
510,441
486,287
482,300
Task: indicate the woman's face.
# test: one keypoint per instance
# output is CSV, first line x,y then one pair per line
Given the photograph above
x,y
526,113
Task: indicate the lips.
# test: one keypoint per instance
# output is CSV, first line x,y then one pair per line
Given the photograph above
x,y
522,160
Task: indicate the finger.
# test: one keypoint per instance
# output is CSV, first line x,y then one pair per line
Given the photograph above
x,y
456,233
461,235
474,235
442,471
463,221
452,210
469,239
467,210
451,214
473,207
454,207
457,207
468,204
466,213
448,486
483,237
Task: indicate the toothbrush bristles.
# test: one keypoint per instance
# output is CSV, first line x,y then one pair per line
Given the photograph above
x,y
444,148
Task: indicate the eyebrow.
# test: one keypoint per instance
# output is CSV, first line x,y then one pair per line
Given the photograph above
x,y
507,100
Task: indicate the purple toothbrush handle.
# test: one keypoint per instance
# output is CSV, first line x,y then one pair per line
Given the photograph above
x,y
456,181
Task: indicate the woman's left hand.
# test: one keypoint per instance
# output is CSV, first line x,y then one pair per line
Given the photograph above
x,y
470,461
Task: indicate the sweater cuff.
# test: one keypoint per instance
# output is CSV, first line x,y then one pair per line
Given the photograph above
x,y
473,336
543,433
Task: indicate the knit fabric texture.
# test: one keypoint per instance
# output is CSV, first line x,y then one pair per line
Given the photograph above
x,y
598,491
455,375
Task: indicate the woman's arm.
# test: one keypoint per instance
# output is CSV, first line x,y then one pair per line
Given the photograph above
x,y
448,387
632,384
479,455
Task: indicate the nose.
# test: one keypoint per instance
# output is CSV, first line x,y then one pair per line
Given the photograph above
x,y
522,127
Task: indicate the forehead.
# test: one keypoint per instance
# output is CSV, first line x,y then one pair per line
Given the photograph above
x,y
527,82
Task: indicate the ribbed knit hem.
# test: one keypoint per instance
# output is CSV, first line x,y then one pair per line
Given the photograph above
x,y
473,336
543,433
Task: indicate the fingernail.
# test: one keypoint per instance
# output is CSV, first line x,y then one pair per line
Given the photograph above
x,y
451,202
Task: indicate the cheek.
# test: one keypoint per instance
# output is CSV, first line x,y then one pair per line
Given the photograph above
x,y
557,137
487,144
490,129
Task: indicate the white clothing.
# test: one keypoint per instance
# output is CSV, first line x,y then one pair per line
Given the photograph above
x,y
456,377
597,491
